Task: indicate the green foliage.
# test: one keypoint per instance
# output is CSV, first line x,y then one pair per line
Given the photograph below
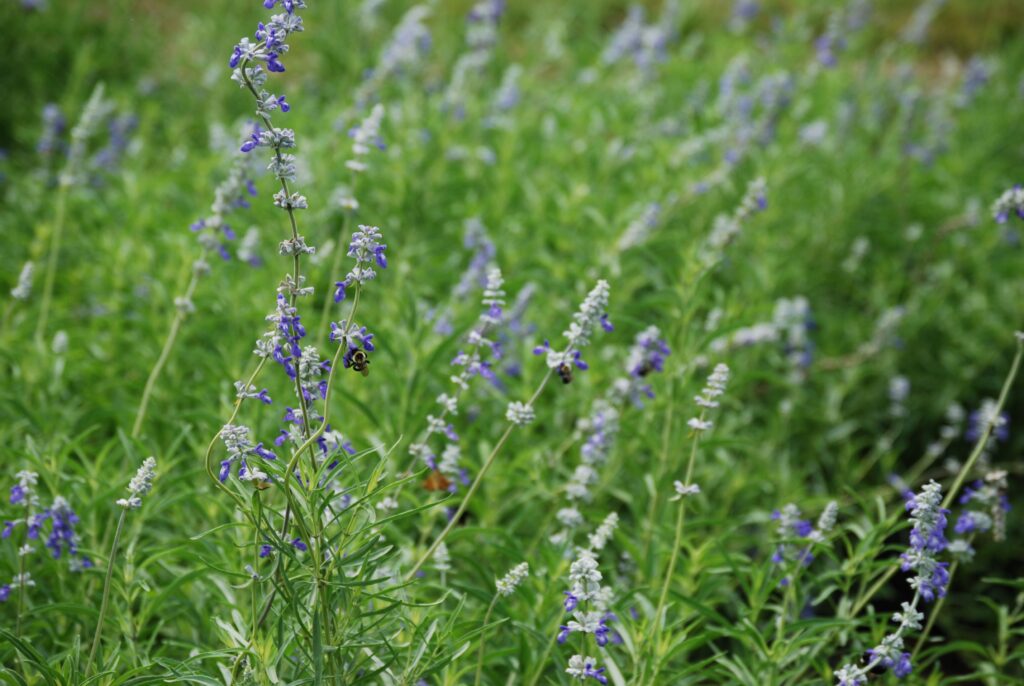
x,y
854,223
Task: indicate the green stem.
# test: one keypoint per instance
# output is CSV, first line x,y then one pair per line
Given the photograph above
x,y
476,483
165,353
934,613
106,591
339,251
21,582
990,426
680,520
52,260
483,634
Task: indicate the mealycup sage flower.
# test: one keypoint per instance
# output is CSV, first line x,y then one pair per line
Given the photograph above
x,y
592,313
140,485
927,541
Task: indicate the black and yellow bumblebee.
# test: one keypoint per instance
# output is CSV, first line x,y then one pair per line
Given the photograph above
x,y
361,362
565,372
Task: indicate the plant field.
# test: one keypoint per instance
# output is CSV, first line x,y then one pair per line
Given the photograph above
x,y
499,342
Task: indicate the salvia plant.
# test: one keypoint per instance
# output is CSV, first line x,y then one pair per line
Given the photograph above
x,y
620,343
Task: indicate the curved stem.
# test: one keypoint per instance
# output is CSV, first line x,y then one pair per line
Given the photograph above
x,y
680,520
476,483
52,260
106,592
990,426
165,353
483,634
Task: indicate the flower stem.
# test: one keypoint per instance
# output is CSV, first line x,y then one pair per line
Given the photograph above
x,y
483,633
476,483
106,592
165,353
990,426
52,260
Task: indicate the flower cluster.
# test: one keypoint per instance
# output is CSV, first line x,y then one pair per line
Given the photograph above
x,y
727,227
365,136
481,37
599,539
238,441
590,315
366,249
472,362
247,60
927,540
646,356
645,44
1010,203
23,289
140,485
899,390
62,538
985,506
507,584
476,240
53,127
985,419
708,398
588,601
797,536
213,232
96,110
640,229
18,581
519,413
409,43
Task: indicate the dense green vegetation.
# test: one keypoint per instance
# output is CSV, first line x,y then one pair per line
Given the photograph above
x,y
805,192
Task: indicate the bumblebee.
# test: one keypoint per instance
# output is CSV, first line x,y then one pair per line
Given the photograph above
x,y
565,372
361,362
644,369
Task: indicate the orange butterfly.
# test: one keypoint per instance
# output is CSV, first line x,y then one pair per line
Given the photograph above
x,y
436,481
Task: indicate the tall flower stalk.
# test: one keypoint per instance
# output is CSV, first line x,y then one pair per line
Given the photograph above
x,y
927,540
139,486
706,401
590,316
95,110
212,233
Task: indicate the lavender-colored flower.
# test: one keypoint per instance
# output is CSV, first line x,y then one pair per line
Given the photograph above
x,y
214,231
140,485
927,540
63,538
1010,203
979,421
582,668
409,43
588,601
53,127
93,114
591,314
23,289
519,413
472,362
727,227
365,137
507,584
366,249
743,13
240,447
708,398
